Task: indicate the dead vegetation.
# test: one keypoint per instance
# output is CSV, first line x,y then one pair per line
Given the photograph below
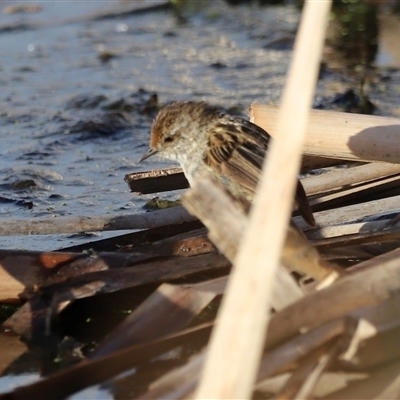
x,y
341,338
328,330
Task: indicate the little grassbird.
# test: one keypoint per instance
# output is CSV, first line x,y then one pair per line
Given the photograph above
x,y
203,139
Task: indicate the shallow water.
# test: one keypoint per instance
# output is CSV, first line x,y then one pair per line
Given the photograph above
x,y
71,125
73,88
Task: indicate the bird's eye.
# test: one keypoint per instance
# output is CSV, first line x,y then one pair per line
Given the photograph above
x,y
169,139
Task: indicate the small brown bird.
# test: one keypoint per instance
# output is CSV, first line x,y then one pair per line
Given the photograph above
x,y
202,138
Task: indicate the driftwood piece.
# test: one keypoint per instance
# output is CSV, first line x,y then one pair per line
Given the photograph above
x,y
183,384
376,261
30,320
328,383
135,9
182,380
21,272
30,316
305,377
354,253
365,192
284,356
340,178
110,13
345,229
358,239
82,275
11,349
128,240
169,179
180,383
168,309
339,135
140,274
161,180
365,288
311,310
95,371
379,342
353,213
47,226
383,383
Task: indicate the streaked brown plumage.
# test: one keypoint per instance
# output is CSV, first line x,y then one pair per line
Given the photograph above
x,y
202,138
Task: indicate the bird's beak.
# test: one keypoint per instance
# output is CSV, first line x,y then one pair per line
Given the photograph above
x,y
148,154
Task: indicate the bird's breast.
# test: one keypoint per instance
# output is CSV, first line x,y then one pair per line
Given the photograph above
x,y
193,167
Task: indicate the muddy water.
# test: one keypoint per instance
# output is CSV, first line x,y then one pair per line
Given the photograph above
x,y
73,88
75,79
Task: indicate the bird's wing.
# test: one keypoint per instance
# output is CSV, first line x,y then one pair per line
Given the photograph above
x,y
237,151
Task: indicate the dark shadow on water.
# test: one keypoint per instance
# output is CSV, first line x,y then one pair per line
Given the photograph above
x,y
353,32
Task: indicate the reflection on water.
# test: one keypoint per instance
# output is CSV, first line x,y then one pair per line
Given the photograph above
x,y
389,33
363,34
353,33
